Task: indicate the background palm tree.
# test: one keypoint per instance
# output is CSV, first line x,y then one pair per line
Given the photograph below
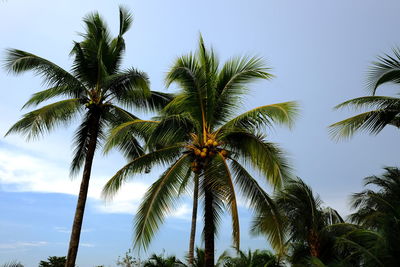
x,y
305,223
385,110
378,211
161,261
256,258
93,89
198,135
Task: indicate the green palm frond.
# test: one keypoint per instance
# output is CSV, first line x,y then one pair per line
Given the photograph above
x,y
18,61
232,80
231,202
123,135
265,157
159,201
282,113
64,90
43,120
140,164
371,121
386,69
172,129
374,102
268,221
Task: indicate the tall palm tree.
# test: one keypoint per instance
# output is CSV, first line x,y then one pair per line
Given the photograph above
x,y
305,222
97,89
385,110
199,136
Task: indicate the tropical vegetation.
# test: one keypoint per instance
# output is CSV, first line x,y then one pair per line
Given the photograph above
x,y
211,152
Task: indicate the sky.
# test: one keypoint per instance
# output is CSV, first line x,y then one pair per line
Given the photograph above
x,y
319,52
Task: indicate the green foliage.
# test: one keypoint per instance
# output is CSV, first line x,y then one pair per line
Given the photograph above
x,y
53,261
161,261
256,258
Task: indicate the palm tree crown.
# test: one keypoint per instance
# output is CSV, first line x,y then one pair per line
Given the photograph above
x,y
199,137
96,88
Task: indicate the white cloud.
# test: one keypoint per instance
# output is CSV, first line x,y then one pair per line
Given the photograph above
x,y
21,172
17,245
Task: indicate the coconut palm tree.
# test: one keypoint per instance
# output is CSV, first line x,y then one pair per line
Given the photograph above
x,y
306,224
96,89
199,137
385,110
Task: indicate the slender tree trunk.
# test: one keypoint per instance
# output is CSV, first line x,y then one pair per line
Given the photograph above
x,y
209,228
80,207
194,220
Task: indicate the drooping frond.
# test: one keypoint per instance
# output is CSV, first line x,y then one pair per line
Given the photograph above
x,y
266,157
268,220
43,120
371,121
231,201
159,201
140,164
386,70
18,61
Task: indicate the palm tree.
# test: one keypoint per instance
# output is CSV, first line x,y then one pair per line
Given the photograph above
x,y
257,258
93,89
385,110
199,137
378,211
161,261
306,224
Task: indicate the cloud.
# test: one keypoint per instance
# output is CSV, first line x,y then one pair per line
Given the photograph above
x,y
22,172
20,244
65,230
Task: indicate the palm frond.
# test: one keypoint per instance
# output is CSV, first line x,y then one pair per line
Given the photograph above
x,y
231,202
268,219
282,113
140,164
159,201
372,121
43,120
385,70
124,136
18,61
266,157
374,102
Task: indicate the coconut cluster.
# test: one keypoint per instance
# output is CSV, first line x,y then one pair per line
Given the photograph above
x,y
202,153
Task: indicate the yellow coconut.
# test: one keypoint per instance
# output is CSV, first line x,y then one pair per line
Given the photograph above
x,y
203,154
215,143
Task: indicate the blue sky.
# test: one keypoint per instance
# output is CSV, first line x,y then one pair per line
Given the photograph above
x,y
319,52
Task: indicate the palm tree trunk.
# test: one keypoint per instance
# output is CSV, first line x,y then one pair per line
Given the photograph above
x,y
194,219
80,207
209,228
